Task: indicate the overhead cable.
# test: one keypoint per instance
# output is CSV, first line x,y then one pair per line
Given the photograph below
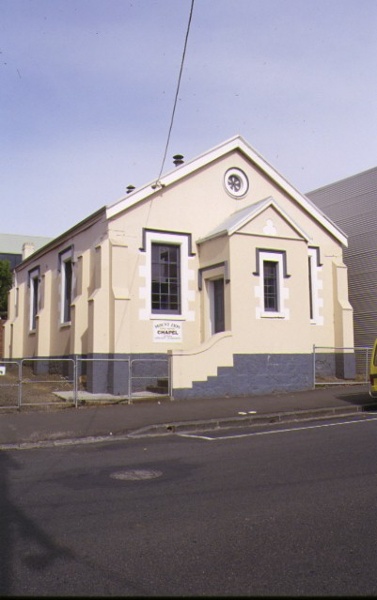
x,y
176,93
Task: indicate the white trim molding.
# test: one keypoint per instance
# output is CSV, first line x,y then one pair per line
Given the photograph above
x,y
277,257
187,275
65,303
316,287
34,296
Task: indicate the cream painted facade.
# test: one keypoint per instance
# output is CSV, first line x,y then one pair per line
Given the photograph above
x,y
258,278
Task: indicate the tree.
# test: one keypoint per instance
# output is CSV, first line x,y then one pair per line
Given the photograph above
x,y
5,285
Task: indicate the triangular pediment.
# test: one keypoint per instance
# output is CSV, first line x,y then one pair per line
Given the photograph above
x,y
264,218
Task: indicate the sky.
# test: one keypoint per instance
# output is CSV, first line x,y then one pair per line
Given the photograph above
x,y
87,90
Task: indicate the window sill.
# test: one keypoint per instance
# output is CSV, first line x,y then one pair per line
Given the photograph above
x,y
167,317
272,315
65,325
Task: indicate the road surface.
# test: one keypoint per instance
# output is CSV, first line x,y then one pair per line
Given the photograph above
x,y
286,511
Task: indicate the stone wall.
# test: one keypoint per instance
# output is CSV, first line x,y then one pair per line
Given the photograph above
x,y
255,374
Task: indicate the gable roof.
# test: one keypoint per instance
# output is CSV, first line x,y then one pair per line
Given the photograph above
x,y
241,217
236,143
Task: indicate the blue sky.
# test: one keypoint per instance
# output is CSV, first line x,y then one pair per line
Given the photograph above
x,y
87,89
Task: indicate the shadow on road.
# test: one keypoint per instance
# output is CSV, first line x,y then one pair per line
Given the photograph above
x,y
15,526
359,398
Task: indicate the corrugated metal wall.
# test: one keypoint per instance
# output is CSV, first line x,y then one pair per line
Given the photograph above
x,y
352,204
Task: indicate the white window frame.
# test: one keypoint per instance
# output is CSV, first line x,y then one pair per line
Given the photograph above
x,y
211,295
178,279
34,297
236,175
145,271
65,257
316,286
276,276
206,277
283,291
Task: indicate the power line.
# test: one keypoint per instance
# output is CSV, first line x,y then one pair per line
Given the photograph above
x,y
177,91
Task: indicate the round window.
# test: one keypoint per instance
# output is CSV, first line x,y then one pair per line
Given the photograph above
x,y
236,182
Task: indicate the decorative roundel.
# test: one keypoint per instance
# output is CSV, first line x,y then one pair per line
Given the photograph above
x,y
236,183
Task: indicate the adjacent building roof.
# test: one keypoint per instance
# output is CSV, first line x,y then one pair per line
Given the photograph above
x,y
12,244
54,242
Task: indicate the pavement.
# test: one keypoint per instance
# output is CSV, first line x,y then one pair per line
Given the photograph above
x,y
160,416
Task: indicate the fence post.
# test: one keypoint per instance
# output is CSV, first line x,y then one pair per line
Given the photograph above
x,y
170,373
129,381
19,384
75,378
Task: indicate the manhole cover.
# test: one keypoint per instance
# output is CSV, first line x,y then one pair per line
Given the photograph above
x,y
136,475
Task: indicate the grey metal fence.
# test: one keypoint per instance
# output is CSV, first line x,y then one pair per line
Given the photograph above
x,y
10,377
341,365
77,380
123,378
47,381
73,381
150,376
103,378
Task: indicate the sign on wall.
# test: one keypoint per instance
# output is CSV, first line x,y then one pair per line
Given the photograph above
x,y
167,331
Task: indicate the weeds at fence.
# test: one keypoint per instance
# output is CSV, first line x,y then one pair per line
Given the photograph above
x,y
340,366
66,382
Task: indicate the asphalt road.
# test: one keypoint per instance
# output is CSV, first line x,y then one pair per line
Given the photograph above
x,y
289,512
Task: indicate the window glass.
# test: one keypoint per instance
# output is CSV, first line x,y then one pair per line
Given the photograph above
x,y
270,286
218,306
67,290
34,307
166,279
34,298
310,259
